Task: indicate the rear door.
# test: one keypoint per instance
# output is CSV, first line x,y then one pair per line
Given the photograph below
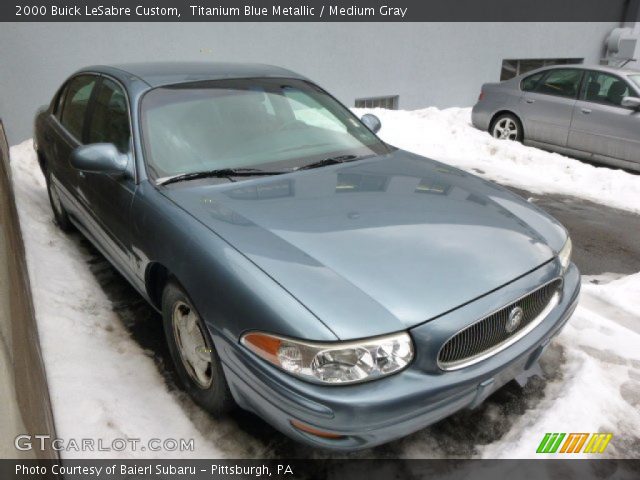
x,y
601,125
547,110
108,197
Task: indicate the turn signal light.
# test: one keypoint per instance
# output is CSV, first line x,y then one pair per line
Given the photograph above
x,y
314,431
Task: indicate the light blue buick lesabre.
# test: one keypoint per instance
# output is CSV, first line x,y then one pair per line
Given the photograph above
x,y
344,290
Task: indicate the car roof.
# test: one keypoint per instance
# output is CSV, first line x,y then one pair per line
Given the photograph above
x,y
157,74
600,68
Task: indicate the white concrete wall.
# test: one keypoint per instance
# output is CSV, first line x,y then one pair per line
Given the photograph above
x,y
440,64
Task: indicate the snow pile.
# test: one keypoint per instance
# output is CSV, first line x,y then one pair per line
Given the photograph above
x,y
103,385
599,388
448,136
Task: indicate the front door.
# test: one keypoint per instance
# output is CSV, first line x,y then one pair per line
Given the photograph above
x,y
106,197
68,126
601,125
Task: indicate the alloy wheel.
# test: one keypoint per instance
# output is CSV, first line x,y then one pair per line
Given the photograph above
x,y
506,129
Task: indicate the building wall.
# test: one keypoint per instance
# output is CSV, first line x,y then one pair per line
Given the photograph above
x,y
439,64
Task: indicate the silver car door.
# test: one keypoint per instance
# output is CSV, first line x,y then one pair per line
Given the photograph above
x,y
547,111
600,124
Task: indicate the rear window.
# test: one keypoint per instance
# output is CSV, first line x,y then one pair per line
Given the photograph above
x,y
561,82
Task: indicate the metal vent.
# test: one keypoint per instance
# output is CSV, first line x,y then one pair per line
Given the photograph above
x,y
389,102
497,331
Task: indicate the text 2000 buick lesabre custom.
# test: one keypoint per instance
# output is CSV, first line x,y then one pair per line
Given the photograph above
x,y
346,291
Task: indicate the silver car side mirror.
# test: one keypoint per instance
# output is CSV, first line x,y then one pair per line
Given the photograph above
x,y
99,158
631,102
371,122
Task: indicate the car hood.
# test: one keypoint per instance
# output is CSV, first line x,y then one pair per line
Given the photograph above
x,y
377,245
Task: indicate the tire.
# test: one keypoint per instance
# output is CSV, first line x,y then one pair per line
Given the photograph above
x,y
191,348
507,127
60,216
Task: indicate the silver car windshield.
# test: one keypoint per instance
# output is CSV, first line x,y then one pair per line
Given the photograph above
x,y
635,79
270,124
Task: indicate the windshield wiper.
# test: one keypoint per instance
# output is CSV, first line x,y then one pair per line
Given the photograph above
x,y
329,161
219,173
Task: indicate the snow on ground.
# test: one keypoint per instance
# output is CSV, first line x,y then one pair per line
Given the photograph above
x,y
599,388
448,136
105,386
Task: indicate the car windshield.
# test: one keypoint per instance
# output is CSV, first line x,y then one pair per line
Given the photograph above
x,y
267,124
635,79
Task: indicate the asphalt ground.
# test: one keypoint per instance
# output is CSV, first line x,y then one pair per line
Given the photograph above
x,y
605,240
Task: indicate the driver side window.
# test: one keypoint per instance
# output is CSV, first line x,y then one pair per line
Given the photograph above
x,y
75,104
110,119
604,88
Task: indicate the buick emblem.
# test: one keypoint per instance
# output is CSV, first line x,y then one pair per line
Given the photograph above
x,y
515,318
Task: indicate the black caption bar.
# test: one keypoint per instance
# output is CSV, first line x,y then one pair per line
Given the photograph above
x,y
318,10
318,469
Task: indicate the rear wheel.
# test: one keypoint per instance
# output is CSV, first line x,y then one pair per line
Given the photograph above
x,y
192,350
59,213
507,127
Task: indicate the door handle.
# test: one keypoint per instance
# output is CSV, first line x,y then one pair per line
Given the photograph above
x,y
81,174
529,100
586,111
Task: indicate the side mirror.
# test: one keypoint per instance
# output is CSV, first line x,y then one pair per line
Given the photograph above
x,y
371,122
631,102
99,158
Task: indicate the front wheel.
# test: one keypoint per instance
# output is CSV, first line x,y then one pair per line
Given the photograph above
x,y
507,127
194,356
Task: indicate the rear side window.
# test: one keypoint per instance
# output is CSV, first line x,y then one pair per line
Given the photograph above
x,y
75,104
531,82
110,117
561,82
605,88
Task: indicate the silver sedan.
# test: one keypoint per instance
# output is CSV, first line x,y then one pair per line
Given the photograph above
x,y
589,112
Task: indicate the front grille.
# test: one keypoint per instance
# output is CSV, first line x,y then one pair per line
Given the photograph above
x,y
490,335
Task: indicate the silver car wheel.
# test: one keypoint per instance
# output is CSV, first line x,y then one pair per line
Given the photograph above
x,y
194,349
506,129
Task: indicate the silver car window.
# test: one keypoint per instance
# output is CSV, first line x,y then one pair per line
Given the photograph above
x,y
601,87
635,79
561,82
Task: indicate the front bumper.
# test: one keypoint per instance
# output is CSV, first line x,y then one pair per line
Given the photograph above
x,y
373,413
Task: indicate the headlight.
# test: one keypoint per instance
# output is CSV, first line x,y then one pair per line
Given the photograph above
x,y
334,363
565,255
